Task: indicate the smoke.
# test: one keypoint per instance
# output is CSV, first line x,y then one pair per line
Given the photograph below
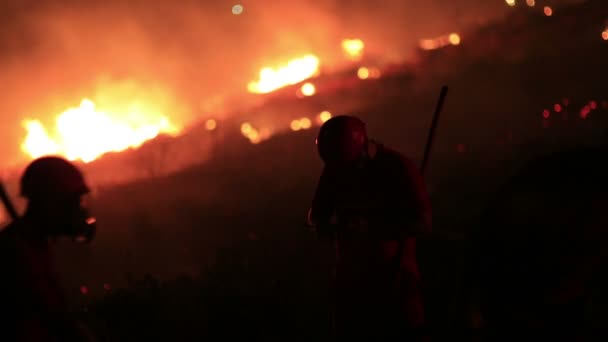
x,y
53,53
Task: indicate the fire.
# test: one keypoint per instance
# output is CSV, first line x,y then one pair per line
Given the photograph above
x,y
296,71
353,48
87,132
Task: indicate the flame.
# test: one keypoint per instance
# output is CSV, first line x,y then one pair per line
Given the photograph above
x,y
296,71
87,132
353,48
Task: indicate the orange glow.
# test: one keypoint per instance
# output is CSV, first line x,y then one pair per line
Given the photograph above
x,y
605,34
454,39
87,131
210,125
548,11
353,48
375,73
305,123
324,116
295,71
439,42
246,128
428,44
237,9
308,89
510,2
295,125
254,136
363,73
531,3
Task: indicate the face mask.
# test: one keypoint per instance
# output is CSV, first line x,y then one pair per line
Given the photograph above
x,y
75,220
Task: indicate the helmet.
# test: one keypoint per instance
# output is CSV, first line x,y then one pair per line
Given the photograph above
x,y
51,176
341,140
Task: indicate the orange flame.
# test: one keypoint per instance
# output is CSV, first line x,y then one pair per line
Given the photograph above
x,y
296,71
353,48
86,132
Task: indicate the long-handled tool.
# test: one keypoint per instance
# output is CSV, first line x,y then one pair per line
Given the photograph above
x,y
423,166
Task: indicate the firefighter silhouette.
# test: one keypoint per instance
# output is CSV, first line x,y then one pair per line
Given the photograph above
x,y
371,201
33,304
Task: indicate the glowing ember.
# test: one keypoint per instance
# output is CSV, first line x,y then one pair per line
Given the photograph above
x,y
86,132
308,89
510,2
605,34
295,125
254,136
324,116
593,105
436,43
548,11
363,73
353,48
557,108
210,125
237,9
294,72
454,39
305,123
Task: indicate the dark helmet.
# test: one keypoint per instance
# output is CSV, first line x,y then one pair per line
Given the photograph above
x,y
48,177
342,140
59,184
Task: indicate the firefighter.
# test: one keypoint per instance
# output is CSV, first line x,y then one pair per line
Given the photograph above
x,y
33,304
372,202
